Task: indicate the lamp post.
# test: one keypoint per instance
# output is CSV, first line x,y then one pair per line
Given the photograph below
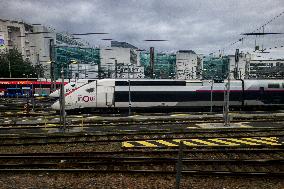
x,y
72,62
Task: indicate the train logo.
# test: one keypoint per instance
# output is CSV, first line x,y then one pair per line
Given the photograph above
x,y
68,90
86,98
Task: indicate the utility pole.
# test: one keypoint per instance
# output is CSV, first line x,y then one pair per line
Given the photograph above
x,y
99,69
152,62
129,98
236,74
27,108
52,64
115,68
128,71
62,101
179,165
71,76
28,94
78,70
129,93
85,71
9,63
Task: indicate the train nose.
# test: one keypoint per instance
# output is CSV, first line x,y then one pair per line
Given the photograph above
x,y
56,106
55,94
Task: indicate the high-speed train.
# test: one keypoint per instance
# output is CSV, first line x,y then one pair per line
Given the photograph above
x,y
70,86
143,94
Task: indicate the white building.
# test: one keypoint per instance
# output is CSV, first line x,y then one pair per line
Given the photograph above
x,y
83,71
116,60
13,35
32,41
132,71
257,66
240,69
41,41
112,54
187,64
266,68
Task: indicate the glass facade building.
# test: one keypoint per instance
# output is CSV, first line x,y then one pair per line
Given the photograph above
x,y
67,50
216,68
164,65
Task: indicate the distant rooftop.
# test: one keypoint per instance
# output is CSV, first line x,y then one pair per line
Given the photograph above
x,y
186,51
122,45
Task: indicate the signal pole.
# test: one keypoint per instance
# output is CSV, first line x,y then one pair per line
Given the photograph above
x,y
227,103
211,95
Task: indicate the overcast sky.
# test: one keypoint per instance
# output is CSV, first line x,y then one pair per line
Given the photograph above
x,y
201,25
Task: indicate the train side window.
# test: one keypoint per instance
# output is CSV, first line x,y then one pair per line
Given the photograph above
x,y
90,90
273,85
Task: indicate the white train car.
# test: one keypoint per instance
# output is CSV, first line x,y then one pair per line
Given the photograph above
x,y
143,94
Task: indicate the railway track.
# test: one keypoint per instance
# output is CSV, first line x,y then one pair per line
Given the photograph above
x,y
125,162
102,121
121,136
201,153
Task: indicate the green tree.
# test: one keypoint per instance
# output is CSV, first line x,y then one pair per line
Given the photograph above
x,y
18,65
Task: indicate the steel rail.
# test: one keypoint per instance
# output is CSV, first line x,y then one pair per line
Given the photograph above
x,y
120,122
187,172
108,139
142,132
145,152
10,126
166,135
140,159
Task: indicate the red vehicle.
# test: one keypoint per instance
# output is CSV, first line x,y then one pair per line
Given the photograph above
x,y
20,87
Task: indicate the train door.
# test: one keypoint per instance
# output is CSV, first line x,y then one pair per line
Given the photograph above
x,y
109,96
261,93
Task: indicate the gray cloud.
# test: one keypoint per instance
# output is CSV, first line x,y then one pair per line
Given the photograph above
x,y
203,26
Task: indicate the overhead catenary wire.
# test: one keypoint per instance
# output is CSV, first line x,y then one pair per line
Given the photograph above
x,y
254,31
